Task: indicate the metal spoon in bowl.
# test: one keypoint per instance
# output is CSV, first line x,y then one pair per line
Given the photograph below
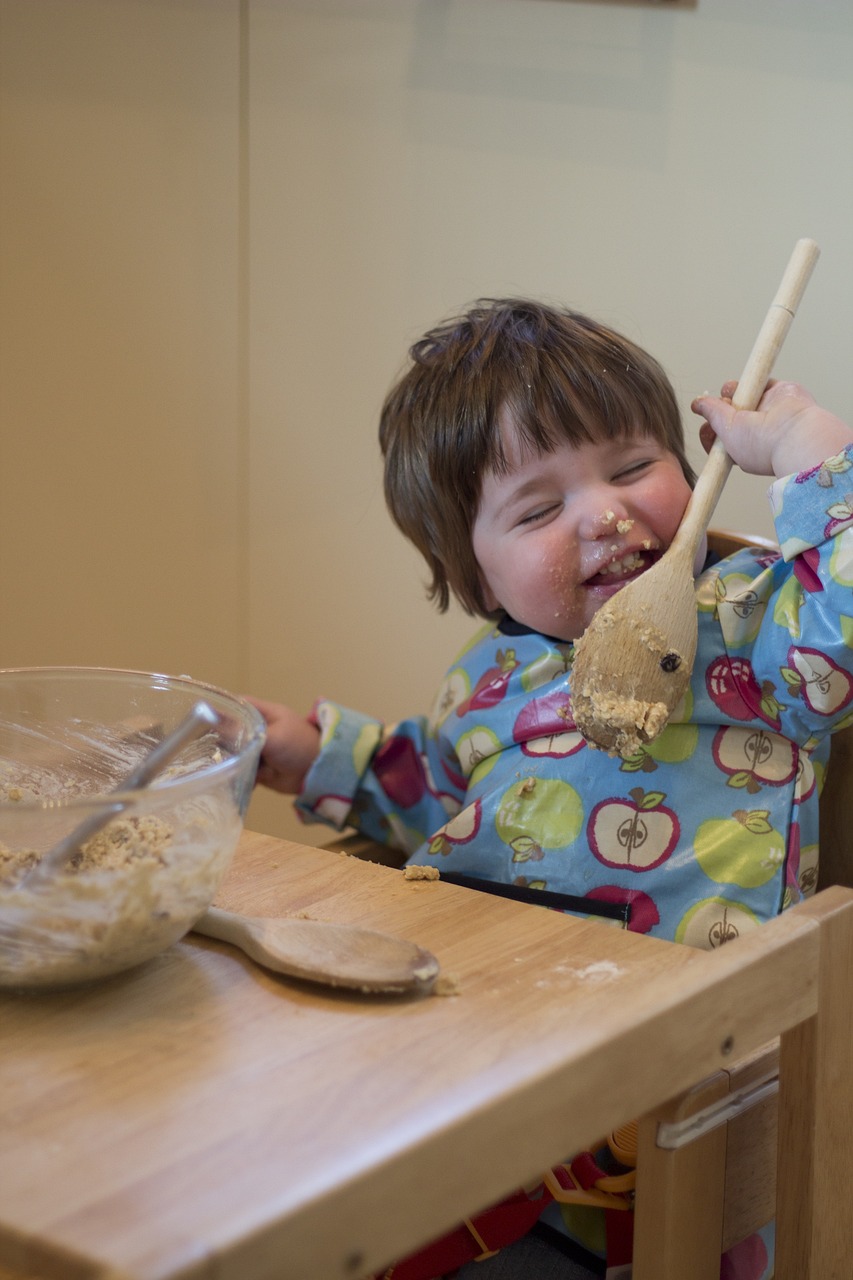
x,y
201,718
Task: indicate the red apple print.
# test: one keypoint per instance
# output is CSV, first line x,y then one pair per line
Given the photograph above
x,y
459,830
637,834
805,570
644,914
492,685
806,779
732,687
754,758
399,771
455,777
813,676
546,727
449,800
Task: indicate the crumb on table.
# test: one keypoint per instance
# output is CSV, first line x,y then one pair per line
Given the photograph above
x,y
420,873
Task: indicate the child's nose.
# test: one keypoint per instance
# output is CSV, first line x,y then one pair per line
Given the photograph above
x,y
601,519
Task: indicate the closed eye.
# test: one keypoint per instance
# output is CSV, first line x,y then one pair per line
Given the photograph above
x,y
535,517
635,469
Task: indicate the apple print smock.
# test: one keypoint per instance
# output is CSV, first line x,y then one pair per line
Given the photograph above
x,y
707,831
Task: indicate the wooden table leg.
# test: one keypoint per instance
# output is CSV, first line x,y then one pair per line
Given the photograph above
x,y
679,1210
814,1233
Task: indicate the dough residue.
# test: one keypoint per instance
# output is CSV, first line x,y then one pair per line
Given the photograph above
x,y
617,724
131,891
415,872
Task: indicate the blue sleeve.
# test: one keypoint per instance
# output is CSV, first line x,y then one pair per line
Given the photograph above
x,y
793,622
394,784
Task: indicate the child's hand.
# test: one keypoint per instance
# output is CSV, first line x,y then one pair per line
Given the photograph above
x,y
787,433
292,745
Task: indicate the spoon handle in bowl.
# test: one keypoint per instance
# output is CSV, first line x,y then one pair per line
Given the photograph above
x,y
201,718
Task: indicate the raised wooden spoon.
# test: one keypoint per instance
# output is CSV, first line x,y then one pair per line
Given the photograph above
x,y
634,661
337,955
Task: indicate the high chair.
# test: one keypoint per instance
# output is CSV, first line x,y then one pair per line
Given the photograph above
x,y
706,1181
722,1160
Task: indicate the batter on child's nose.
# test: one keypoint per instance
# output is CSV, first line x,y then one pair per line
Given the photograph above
x,y
604,517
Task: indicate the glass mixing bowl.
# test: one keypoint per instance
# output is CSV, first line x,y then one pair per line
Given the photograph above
x,y
68,738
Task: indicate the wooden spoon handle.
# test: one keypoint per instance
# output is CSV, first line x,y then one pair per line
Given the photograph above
x,y
752,382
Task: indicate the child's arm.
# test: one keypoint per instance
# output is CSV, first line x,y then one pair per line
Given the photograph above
x,y
292,745
347,769
787,433
789,630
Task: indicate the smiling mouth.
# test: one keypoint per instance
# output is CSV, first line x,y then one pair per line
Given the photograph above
x,y
629,566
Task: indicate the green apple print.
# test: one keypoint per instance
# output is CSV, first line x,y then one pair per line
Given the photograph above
x,y
365,744
713,921
841,562
549,666
477,752
786,611
743,849
676,744
740,609
536,814
455,688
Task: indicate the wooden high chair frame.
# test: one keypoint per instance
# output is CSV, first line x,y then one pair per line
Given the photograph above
x,y
720,1161
777,1156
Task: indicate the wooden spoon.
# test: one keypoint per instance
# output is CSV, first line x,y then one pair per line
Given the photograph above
x,y
634,661
338,955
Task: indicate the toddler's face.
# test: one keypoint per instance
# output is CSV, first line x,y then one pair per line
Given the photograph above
x,y
560,533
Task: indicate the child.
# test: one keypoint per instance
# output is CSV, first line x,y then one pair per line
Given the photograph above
x,y
536,460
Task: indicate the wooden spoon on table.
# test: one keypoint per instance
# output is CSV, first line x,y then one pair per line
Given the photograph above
x,y
337,955
633,663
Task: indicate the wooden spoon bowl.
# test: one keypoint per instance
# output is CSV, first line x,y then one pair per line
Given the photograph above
x,y
336,955
633,663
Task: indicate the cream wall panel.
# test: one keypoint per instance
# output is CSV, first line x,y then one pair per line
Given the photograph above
x,y
651,167
222,223
122,485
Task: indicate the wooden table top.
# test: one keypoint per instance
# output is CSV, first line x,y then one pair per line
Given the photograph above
x,y
198,1117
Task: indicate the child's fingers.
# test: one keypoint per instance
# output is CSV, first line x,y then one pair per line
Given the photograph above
x,y
707,436
718,413
728,389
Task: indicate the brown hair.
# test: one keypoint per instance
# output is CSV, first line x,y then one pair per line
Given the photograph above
x,y
562,375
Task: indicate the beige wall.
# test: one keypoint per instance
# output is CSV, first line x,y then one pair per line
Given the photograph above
x,y
222,223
